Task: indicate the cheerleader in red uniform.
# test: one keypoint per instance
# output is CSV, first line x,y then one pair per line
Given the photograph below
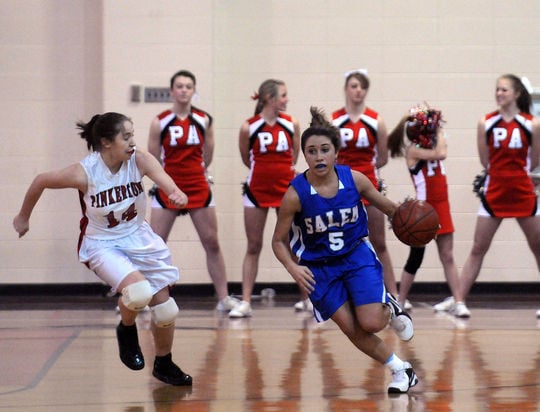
x,y
364,149
508,142
182,138
268,144
424,153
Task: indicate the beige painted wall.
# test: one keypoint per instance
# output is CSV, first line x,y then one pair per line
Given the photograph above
x,y
64,60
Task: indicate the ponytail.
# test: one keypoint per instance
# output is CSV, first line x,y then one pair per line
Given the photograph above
x,y
395,142
319,125
101,126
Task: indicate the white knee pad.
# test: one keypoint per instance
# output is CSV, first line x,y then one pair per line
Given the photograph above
x,y
165,313
137,295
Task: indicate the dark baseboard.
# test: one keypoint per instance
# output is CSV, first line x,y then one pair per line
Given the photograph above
x,y
285,288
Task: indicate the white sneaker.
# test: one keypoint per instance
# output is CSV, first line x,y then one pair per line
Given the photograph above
x,y
402,325
403,379
538,313
242,310
400,321
407,305
304,306
227,303
461,311
444,306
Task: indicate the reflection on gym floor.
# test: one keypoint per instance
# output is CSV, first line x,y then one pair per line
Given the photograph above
x,y
278,360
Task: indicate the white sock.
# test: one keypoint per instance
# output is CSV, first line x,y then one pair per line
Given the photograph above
x,y
394,363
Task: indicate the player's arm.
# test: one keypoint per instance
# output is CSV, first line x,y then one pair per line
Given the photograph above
x,y
243,144
382,144
370,193
209,142
290,205
439,152
149,166
535,144
72,176
481,143
154,139
296,141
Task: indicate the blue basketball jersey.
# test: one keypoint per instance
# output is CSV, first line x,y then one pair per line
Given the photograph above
x,y
327,228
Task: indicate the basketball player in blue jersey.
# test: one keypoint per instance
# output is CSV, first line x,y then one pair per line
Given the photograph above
x,y
321,238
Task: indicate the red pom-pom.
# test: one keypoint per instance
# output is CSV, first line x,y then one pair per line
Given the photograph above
x,y
422,125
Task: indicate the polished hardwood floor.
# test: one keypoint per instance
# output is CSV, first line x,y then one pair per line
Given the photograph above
x,y
62,359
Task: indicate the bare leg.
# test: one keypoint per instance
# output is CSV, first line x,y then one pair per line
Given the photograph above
x,y
360,325
303,294
164,368
161,221
205,222
531,229
446,255
254,221
128,316
377,236
126,331
163,337
373,317
483,235
405,285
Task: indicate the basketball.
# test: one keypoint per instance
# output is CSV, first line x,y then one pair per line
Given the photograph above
x,y
415,223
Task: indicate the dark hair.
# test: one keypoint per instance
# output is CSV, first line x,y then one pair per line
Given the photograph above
x,y
524,100
320,126
361,77
101,126
395,142
183,73
267,90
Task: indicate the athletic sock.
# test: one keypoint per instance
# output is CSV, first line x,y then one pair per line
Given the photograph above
x,y
165,359
394,363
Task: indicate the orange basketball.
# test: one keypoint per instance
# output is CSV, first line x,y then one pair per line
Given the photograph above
x,y
415,223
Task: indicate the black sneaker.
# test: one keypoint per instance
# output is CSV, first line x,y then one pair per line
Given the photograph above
x,y
128,344
400,320
167,371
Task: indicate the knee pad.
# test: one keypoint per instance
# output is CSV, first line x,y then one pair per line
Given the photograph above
x,y
414,261
165,313
137,295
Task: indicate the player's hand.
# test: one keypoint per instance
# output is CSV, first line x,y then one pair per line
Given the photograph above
x,y
303,277
21,225
178,199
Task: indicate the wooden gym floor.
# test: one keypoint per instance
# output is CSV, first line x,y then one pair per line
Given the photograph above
x,y
57,358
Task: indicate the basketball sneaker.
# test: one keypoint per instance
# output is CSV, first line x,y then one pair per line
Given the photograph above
x,y
407,305
460,310
304,306
242,310
403,379
444,306
167,371
128,346
400,320
227,303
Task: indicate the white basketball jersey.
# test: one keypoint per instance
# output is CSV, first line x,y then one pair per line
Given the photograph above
x,y
114,205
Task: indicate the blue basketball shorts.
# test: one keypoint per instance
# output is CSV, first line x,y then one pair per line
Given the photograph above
x,y
356,277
